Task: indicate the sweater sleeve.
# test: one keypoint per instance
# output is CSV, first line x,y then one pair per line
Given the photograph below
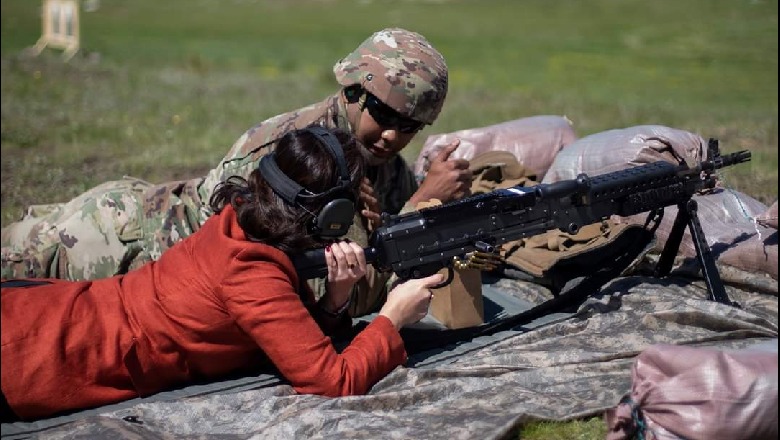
x,y
261,298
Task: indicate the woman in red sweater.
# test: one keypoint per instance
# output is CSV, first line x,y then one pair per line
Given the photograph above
x,y
224,300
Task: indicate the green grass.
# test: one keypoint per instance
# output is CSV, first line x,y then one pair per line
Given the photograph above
x,y
161,89
593,428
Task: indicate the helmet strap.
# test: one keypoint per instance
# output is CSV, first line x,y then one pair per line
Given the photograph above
x,y
361,102
354,95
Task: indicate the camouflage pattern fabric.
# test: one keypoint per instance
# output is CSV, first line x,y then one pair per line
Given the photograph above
x,y
121,225
94,235
572,365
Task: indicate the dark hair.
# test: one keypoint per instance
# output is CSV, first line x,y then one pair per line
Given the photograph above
x,y
267,218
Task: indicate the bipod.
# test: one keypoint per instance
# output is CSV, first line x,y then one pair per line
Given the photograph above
x,y
687,216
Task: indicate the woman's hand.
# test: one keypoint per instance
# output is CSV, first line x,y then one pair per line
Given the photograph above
x,y
408,302
346,265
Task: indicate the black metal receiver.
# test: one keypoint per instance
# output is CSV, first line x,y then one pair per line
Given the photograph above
x,y
421,243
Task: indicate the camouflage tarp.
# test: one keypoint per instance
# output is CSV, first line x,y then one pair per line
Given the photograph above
x,y
569,364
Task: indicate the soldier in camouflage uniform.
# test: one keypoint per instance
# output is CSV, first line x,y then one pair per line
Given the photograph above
x,y
393,84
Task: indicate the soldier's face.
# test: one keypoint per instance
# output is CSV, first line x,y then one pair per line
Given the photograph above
x,y
382,142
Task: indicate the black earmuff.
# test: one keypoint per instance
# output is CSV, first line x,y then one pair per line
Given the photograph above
x,y
353,93
335,218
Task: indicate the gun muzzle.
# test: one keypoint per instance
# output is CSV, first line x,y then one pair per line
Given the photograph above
x,y
731,159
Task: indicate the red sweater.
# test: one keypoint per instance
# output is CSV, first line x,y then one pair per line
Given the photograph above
x,y
214,303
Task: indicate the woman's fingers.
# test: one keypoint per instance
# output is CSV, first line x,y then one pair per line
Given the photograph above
x,y
349,256
339,254
358,254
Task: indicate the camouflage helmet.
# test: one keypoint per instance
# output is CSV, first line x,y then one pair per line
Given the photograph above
x,y
402,69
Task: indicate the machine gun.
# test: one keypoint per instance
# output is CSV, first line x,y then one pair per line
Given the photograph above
x,y
421,243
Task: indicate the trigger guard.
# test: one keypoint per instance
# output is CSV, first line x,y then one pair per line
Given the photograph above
x,y
450,276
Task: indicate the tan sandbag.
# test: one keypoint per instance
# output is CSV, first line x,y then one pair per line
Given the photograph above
x,y
459,304
534,141
618,149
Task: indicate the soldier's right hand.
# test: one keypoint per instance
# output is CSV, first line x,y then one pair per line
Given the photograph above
x,y
447,179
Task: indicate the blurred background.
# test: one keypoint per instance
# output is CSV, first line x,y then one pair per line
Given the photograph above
x,y
161,89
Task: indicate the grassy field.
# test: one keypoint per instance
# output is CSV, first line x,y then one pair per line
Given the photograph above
x,y
161,89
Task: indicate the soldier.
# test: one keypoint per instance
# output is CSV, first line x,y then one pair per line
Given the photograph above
x,y
393,84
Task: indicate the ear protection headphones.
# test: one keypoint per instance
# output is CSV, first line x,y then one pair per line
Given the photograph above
x,y
335,218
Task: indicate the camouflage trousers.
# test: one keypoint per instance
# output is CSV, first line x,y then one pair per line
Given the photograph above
x,y
108,230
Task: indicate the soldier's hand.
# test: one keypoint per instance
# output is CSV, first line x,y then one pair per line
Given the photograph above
x,y
371,209
447,179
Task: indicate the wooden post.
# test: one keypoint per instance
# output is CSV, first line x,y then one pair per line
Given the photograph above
x,y
60,27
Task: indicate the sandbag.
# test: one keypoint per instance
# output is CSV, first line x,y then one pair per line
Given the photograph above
x,y
728,217
534,141
768,218
680,392
618,149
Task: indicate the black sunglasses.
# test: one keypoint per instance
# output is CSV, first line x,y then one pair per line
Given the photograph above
x,y
389,118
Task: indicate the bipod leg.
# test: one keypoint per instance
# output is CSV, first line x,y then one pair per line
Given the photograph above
x,y
666,260
705,257
687,216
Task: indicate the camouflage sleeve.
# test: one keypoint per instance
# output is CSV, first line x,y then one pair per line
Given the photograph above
x,y
395,184
256,142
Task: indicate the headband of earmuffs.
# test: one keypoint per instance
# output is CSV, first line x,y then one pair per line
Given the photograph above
x,y
336,216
